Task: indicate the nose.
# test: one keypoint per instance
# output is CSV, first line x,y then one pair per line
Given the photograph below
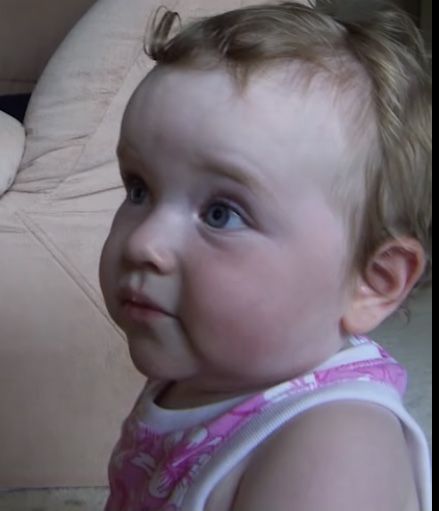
x,y
155,243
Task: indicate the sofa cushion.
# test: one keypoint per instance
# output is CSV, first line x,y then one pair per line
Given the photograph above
x,y
11,150
30,31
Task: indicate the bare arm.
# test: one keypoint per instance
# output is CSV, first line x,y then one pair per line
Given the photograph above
x,y
339,457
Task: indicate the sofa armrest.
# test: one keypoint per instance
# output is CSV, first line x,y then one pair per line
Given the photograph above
x,y
12,139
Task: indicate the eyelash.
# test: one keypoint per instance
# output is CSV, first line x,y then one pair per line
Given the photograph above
x,y
222,202
132,180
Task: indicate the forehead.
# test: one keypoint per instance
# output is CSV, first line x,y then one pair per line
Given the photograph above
x,y
276,125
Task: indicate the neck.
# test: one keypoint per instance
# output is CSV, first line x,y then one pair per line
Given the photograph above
x,y
183,395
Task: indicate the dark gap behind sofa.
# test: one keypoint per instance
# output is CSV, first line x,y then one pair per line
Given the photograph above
x,y
15,105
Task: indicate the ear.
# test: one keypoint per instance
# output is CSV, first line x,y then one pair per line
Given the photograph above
x,y
385,284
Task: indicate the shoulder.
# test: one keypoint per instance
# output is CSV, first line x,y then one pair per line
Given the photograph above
x,y
338,456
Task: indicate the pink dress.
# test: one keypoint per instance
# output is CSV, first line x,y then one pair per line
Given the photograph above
x,y
172,460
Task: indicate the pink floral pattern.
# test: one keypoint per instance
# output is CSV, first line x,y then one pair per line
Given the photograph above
x,y
150,471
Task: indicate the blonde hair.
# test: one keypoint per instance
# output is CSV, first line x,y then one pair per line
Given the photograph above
x,y
380,38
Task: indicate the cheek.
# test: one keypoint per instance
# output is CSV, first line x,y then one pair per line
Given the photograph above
x,y
114,243
262,302
107,268
110,258
232,305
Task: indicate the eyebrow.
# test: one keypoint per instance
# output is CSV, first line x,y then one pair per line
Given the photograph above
x,y
124,150
222,169
237,174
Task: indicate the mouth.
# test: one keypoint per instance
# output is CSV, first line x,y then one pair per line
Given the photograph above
x,y
138,307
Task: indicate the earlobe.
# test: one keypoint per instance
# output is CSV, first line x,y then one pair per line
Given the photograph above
x,y
384,285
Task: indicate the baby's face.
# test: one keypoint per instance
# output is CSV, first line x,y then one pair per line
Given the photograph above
x,y
227,229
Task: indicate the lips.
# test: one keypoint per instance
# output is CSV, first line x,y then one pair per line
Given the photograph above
x,y
135,303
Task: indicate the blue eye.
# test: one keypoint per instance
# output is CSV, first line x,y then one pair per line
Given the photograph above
x,y
223,216
137,191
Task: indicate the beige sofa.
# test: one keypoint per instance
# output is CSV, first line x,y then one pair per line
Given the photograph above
x,y
30,31
65,378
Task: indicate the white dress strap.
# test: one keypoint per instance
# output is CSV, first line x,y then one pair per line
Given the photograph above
x,y
261,427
